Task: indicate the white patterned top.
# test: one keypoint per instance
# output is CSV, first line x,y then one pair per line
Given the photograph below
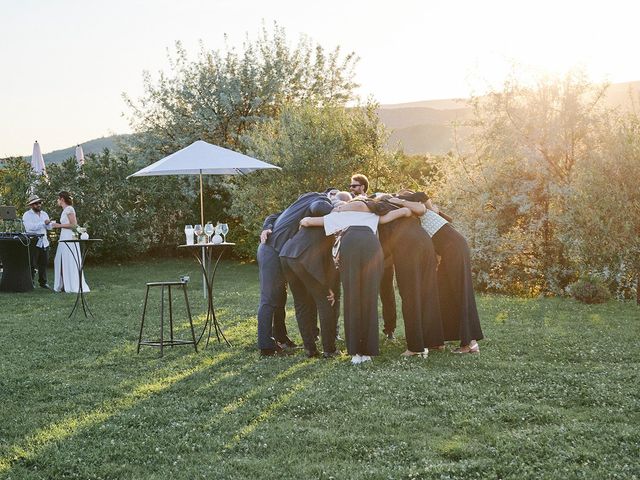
x,y
432,222
336,221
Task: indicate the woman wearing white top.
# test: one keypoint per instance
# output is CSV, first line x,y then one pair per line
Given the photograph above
x,y
455,285
65,263
360,262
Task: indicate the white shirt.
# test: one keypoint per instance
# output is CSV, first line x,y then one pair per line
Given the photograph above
x,y
432,222
336,221
34,223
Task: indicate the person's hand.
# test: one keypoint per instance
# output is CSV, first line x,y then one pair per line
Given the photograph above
x,y
305,222
331,297
396,201
47,221
264,235
54,224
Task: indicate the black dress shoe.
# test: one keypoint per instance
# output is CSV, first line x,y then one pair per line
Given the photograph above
x,y
267,352
45,286
337,353
287,343
312,353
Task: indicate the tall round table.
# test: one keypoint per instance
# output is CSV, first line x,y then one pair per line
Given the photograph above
x,y
79,255
209,274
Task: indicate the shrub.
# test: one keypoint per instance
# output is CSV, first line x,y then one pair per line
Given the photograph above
x,y
590,289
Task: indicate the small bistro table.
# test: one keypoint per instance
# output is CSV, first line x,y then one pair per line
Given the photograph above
x,y
209,275
79,255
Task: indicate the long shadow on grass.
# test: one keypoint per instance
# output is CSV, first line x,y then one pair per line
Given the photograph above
x,y
72,424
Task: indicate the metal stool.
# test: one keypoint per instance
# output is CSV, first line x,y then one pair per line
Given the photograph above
x,y
162,342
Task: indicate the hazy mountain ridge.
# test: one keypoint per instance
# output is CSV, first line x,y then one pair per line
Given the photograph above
x,y
433,126
421,127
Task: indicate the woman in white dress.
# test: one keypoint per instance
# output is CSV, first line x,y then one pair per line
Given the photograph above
x,y
66,261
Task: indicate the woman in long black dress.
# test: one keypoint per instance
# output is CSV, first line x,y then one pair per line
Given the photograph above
x,y
455,285
361,265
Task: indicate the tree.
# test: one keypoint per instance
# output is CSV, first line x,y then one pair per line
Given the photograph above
x,y
510,191
605,208
16,179
221,95
316,148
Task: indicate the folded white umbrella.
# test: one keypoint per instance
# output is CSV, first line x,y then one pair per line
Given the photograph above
x,y
80,155
37,160
202,158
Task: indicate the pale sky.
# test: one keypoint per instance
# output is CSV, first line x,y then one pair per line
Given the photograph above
x,y
65,63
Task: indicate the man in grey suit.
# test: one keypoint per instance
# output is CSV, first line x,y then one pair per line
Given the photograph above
x,y
277,230
309,269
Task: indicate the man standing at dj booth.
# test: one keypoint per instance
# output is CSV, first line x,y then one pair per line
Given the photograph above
x,y
36,221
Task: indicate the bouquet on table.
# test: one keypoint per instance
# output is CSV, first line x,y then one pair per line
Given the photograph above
x,y
80,232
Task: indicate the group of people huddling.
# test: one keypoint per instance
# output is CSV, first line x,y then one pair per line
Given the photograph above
x,y
326,240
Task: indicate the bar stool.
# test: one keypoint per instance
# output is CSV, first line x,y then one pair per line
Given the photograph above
x,y
162,342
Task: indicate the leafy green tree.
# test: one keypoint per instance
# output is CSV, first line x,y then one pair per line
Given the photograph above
x,y
221,95
604,214
16,180
316,148
510,190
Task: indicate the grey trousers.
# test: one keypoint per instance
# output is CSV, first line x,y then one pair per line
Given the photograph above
x,y
273,298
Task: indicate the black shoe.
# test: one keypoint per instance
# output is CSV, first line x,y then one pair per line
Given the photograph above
x,y
287,344
45,286
389,335
335,354
277,350
312,353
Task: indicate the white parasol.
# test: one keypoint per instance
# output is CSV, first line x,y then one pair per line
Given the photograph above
x,y
80,155
202,158
37,160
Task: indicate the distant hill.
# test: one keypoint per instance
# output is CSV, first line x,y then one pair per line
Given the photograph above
x,y
421,127
96,145
430,126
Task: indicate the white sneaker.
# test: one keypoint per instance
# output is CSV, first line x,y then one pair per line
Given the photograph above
x,y
356,359
365,358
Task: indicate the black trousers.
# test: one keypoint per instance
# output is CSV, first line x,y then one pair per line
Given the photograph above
x,y
418,286
361,266
273,298
39,261
388,297
310,301
455,287
415,265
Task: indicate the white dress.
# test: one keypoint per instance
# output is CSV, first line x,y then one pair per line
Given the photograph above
x,y
65,266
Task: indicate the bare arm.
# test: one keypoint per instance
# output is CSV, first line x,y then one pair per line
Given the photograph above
x,y
395,214
72,222
312,222
356,206
416,208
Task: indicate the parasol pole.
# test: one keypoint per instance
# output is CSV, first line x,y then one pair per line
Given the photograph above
x,y
206,267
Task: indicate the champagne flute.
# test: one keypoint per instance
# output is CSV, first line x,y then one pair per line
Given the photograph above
x,y
208,230
224,229
198,231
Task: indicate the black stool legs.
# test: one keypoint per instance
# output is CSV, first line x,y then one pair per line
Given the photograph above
x,y
171,342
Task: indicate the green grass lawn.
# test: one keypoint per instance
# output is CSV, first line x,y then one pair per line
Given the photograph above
x,y
554,393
